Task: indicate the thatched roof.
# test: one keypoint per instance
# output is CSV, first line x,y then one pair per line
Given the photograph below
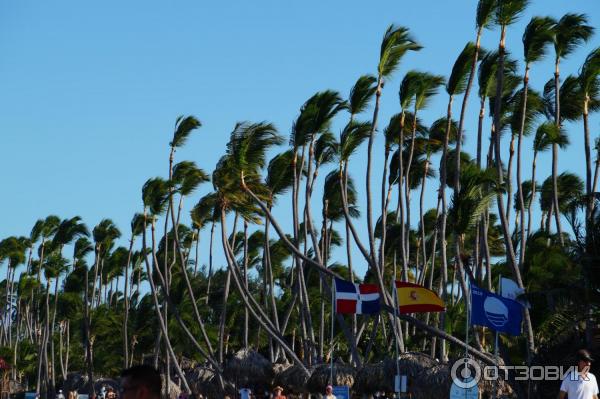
x,y
293,379
343,374
248,368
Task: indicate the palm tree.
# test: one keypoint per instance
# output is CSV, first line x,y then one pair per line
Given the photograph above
x,y
546,134
457,83
590,85
155,196
137,225
351,137
537,35
507,13
245,157
570,32
419,87
395,44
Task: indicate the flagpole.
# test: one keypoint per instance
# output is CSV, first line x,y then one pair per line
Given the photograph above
x,y
496,342
333,310
396,304
467,304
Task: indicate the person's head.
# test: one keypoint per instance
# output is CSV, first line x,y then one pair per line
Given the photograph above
x,y
584,360
140,382
278,390
328,389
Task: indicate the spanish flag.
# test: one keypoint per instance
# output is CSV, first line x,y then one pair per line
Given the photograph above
x,y
414,298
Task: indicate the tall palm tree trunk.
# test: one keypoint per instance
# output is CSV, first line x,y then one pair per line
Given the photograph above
x,y
555,153
511,258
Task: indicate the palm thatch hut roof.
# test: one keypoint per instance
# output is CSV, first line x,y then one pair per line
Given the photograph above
x,y
293,379
343,374
248,368
203,380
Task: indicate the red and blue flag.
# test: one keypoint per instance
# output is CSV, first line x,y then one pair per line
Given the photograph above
x,y
351,298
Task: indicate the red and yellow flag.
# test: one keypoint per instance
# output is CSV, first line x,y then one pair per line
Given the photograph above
x,y
414,298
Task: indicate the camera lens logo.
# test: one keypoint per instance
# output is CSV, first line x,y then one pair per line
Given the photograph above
x,y
465,373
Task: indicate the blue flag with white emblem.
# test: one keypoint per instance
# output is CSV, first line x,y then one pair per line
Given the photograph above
x,y
496,312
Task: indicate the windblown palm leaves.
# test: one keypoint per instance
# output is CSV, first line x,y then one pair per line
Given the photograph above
x,y
183,127
395,44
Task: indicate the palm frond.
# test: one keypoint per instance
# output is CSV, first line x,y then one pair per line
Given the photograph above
x,y
457,82
570,32
361,93
184,125
396,42
590,71
155,193
534,109
485,12
352,136
539,33
280,173
187,177
509,11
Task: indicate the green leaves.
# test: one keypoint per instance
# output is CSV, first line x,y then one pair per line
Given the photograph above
x,y
353,135
485,12
183,127
547,134
460,70
155,193
187,177
473,199
509,11
315,116
570,32
418,87
361,93
590,71
539,33
395,44
280,173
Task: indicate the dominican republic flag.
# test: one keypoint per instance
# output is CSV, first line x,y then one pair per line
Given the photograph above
x,y
356,298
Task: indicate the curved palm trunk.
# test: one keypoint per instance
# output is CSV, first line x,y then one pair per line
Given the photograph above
x,y
533,192
588,164
511,258
555,154
368,172
523,239
210,260
126,306
245,281
442,193
511,154
161,320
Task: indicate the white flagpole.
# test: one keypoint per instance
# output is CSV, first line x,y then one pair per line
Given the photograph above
x,y
333,310
395,290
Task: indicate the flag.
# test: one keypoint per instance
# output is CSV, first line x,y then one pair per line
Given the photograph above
x,y
496,312
414,298
509,289
356,298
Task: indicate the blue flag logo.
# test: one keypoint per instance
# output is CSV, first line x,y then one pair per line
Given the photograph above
x,y
496,312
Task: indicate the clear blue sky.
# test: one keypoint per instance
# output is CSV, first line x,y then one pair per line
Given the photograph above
x,y
91,90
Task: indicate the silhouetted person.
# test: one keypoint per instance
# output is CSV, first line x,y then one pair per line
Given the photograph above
x,y
140,382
